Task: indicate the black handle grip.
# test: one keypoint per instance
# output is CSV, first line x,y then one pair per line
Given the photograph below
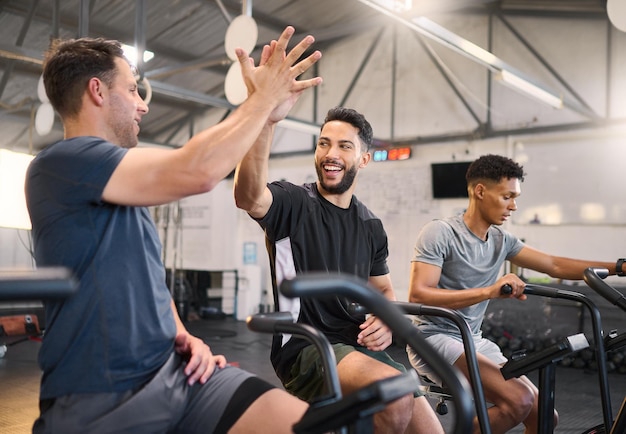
x,y
357,309
531,290
506,289
544,291
593,277
266,323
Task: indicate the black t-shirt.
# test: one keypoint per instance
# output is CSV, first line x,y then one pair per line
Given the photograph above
x,y
305,233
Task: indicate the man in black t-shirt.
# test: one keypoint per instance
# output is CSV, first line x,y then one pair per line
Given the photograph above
x,y
322,227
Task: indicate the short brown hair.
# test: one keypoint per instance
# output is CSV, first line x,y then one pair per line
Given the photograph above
x,y
70,64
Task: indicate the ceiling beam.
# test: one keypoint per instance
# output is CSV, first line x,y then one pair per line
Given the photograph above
x,y
445,37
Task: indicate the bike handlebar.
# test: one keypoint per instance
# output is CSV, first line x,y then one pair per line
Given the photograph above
x,y
39,284
593,277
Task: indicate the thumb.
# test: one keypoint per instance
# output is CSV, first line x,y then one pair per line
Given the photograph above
x,y
181,340
244,60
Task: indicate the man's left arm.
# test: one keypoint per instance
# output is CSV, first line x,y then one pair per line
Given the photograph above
x,y
556,266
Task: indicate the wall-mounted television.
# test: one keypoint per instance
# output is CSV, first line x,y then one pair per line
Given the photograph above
x,y
448,179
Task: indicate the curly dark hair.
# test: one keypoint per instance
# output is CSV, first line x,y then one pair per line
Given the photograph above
x,y
355,119
70,64
494,168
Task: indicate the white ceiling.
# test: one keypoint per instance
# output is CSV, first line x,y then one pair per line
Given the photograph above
x,y
413,88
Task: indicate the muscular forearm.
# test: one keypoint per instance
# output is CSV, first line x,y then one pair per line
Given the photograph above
x,y
452,299
252,172
220,148
573,269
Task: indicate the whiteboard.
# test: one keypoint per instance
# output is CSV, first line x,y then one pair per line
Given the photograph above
x,y
573,180
205,237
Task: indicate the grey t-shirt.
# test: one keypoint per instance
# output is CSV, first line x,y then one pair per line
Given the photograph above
x,y
466,261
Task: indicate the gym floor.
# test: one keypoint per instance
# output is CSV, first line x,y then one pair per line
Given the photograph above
x,y
577,390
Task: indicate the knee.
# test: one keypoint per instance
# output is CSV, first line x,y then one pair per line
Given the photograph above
x,y
520,403
395,417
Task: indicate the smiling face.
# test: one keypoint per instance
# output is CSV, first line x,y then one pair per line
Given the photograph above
x,y
126,107
338,157
497,200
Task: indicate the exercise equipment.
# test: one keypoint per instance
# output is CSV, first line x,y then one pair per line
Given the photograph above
x,y
470,351
355,289
546,380
434,390
39,284
333,411
593,277
543,360
521,363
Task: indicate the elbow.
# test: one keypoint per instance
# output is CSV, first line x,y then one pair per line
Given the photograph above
x,y
202,184
244,197
240,202
420,295
207,185
244,202
414,297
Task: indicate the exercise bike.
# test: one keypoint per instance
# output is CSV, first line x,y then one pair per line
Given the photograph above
x,y
593,277
443,394
546,379
543,360
354,412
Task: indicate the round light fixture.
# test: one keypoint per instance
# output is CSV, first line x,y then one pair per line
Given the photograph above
x,y
234,86
242,32
616,10
41,90
44,119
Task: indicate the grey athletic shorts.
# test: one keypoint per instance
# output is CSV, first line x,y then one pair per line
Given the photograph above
x,y
451,348
165,405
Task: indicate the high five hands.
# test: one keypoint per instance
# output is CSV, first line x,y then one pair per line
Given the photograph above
x,y
274,79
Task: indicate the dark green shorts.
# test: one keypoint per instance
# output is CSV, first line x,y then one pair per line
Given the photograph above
x,y
307,376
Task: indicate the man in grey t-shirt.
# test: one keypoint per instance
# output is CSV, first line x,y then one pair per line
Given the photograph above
x,y
456,265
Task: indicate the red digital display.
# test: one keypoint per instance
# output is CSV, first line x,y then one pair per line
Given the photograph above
x,y
392,154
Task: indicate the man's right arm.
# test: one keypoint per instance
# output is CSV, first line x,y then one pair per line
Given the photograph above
x,y
251,192
148,176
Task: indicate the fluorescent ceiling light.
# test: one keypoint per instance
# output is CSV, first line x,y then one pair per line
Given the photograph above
x,y
131,54
301,126
13,166
431,29
396,5
517,83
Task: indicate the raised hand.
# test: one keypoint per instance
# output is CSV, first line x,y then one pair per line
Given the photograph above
x,y
274,80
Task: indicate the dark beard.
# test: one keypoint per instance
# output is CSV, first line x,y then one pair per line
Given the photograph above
x,y
343,186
